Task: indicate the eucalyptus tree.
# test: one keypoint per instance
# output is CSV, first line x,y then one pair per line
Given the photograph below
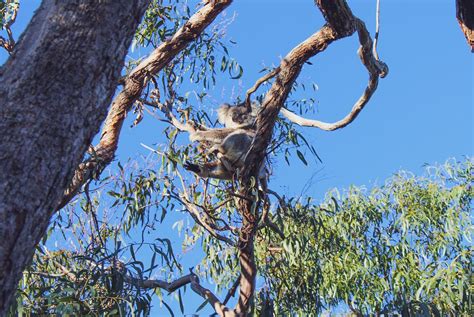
x,y
70,58
32,182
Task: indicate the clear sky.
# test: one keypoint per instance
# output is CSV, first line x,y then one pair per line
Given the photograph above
x,y
421,113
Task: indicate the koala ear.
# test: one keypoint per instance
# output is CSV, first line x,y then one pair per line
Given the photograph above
x,y
222,113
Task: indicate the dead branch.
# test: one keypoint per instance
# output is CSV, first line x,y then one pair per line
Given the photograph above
x,y
133,86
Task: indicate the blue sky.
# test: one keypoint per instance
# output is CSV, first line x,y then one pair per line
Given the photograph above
x,y
421,113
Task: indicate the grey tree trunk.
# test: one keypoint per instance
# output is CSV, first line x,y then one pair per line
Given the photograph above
x,y
54,93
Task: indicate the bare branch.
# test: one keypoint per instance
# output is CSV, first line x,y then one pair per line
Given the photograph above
x,y
232,290
257,84
377,30
191,208
192,279
133,86
375,68
220,308
168,286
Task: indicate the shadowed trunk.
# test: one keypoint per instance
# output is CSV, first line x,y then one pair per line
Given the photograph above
x,y
54,93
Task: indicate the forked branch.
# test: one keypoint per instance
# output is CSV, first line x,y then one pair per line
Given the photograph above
x,y
220,308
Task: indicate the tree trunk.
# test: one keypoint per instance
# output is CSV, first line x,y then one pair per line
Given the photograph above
x,y
248,267
54,93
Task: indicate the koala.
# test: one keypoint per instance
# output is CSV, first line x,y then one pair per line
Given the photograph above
x,y
231,143
237,116
231,146
213,136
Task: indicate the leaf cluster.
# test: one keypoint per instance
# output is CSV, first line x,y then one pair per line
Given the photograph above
x,y
406,245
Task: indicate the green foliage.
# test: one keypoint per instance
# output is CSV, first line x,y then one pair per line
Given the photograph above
x,y
7,10
389,249
401,247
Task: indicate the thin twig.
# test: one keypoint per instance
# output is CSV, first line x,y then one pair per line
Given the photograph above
x,y
257,84
377,29
232,290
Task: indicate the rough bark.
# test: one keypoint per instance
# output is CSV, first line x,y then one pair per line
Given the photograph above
x,y
465,16
135,82
54,93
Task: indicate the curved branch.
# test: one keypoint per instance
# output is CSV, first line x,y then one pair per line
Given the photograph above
x,y
196,215
220,308
356,109
133,86
257,84
375,68
168,286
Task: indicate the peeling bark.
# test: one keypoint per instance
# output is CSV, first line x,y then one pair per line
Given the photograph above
x,y
54,93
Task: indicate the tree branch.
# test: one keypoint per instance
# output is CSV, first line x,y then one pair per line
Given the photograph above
x,y
375,68
257,84
220,308
232,290
377,30
340,23
465,17
191,209
168,286
133,86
